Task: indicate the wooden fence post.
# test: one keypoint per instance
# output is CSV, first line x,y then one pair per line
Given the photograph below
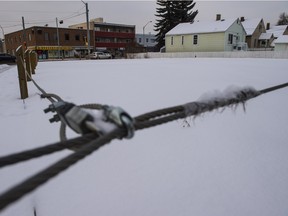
x,y
33,60
21,73
27,64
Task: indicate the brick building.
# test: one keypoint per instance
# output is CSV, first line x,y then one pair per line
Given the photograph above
x,y
44,41
116,38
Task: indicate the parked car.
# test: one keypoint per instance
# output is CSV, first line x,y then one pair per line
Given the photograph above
x,y
7,58
100,55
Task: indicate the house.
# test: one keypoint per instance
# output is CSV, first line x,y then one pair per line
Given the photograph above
x,y
266,40
148,41
281,43
277,31
254,29
219,35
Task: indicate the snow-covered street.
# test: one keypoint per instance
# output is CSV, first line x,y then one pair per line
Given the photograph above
x,y
226,163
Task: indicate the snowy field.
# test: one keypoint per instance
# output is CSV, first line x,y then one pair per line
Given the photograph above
x,y
226,163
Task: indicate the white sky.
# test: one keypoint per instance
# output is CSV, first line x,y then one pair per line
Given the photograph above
x,y
136,13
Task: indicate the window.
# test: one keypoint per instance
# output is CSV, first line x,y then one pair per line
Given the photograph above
x,y
230,39
77,37
55,36
140,40
182,39
147,40
195,39
171,40
29,36
67,37
46,36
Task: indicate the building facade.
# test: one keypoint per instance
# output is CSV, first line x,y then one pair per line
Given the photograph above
x,y
254,29
215,36
281,43
116,38
44,41
147,41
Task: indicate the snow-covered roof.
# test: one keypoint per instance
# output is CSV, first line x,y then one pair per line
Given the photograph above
x,y
266,36
201,27
281,39
250,25
277,30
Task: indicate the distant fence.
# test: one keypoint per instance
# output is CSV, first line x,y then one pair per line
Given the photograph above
x,y
240,54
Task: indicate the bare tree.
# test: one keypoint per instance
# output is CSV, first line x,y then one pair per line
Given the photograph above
x,y
283,19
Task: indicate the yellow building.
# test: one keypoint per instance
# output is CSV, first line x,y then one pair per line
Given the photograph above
x,y
219,35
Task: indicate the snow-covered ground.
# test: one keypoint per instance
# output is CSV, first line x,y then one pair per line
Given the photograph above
x,y
226,163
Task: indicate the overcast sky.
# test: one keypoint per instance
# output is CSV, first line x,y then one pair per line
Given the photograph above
x,y
136,13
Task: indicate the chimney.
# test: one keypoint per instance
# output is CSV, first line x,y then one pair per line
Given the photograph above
x,y
218,17
267,26
242,19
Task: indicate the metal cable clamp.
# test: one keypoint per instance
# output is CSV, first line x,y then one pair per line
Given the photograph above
x,y
121,118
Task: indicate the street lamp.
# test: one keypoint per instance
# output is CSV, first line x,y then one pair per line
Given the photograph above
x,y
144,32
4,44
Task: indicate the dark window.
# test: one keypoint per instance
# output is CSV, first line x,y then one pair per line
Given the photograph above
x,y
77,37
230,38
182,39
55,36
195,39
172,41
67,37
39,31
46,36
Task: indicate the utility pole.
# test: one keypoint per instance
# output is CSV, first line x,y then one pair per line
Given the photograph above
x,y
58,40
144,43
24,33
4,42
88,27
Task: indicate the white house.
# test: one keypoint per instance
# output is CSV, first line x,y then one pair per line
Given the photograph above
x,y
219,35
281,43
278,30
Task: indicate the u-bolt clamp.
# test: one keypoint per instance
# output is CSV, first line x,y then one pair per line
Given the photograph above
x,y
121,118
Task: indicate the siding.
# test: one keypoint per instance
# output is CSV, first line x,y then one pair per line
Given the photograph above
x,y
281,47
236,30
206,42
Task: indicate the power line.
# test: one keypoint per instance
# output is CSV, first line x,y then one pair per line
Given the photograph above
x,y
32,22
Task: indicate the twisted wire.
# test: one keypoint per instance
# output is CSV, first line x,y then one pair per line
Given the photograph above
x,y
143,121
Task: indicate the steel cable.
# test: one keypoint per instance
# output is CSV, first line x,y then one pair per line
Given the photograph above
x,y
144,121
40,178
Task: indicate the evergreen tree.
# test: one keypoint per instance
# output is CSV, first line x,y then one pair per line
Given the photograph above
x,y
283,19
170,14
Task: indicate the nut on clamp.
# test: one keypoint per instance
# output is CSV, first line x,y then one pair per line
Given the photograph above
x,y
72,115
